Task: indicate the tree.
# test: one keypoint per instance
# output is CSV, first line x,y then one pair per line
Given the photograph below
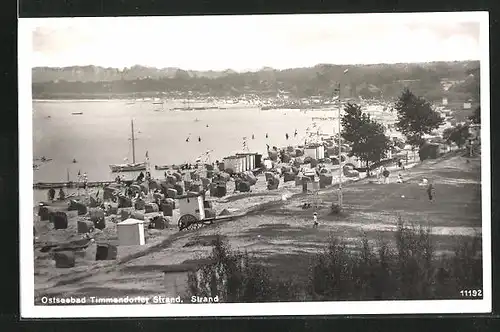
x,y
458,135
366,136
476,116
416,117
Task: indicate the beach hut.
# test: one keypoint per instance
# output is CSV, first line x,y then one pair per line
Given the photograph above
x,y
158,222
178,188
124,202
106,252
325,180
167,208
249,163
235,163
59,219
84,226
151,207
111,208
77,206
315,151
313,185
64,259
268,164
96,214
131,232
288,176
258,160
273,183
243,161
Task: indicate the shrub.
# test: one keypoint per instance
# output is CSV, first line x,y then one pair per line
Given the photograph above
x,y
408,269
236,277
335,209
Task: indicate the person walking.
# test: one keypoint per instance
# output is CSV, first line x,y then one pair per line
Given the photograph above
x,y
378,173
430,192
315,220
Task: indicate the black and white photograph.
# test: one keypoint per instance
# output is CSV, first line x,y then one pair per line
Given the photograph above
x,y
255,165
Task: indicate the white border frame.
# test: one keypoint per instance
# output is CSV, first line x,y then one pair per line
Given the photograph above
x,y
29,310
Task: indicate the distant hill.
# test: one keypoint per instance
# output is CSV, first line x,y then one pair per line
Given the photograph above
x,y
368,81
101,74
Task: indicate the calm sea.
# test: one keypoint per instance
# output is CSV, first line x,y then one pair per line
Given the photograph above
x,y
100,136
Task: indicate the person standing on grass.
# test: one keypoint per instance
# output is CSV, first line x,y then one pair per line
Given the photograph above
x,y
386,174
315,220
378,173
430,192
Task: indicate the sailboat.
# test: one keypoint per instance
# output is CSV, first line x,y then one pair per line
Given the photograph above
x,y
129,167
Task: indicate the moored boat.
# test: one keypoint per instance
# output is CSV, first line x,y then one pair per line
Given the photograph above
x,y
162,167
115,168
133,166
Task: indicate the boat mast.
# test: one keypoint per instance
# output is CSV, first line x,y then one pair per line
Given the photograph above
x,y
133,141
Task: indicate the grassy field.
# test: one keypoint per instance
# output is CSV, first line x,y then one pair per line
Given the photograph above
x,y
281,242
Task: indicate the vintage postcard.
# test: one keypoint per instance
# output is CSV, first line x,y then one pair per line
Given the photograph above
x,y
255,165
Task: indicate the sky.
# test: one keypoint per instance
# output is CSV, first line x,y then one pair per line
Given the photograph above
x,y
246,43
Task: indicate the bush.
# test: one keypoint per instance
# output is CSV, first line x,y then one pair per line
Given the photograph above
x,y
409,269
335,209
236,277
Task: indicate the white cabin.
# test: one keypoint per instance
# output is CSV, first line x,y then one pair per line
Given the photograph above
x,y
191,204
131,232
313,185
315,151
236,163
249,163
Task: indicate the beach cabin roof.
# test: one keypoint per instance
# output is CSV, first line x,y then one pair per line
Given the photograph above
x,y
246,154
131,221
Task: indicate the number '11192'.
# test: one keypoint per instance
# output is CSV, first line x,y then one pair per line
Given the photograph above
x,y
471,293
